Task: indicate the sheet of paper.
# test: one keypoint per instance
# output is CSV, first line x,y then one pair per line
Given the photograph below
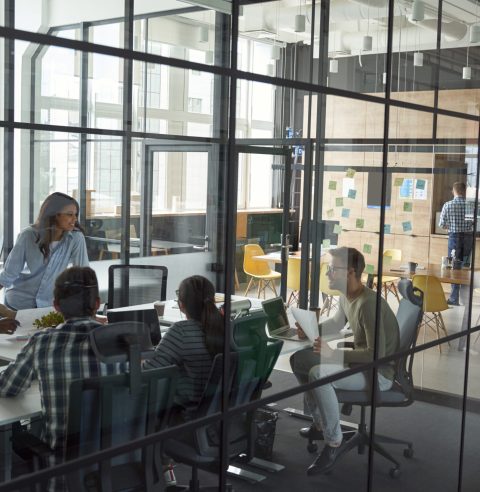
x,y
26,317
307,321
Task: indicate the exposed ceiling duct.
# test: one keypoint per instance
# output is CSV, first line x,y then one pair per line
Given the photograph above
x,y
451,31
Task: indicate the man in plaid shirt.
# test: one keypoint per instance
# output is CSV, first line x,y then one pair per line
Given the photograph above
x,y
57,356
459,228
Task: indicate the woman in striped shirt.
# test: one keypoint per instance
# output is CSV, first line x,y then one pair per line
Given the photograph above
x,y
192,344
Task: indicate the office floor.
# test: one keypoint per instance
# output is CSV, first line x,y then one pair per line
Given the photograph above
x,y
432,370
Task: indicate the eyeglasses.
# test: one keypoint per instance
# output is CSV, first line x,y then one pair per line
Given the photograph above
x,y
177,292
332,269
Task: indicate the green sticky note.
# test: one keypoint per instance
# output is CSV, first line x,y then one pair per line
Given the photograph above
x,y
337,229
345,213
369,269
407,226
367,248
326,243
330,213
398,182
352,194
339,201
387,229
359,223
332,185
420,184
407,206
350,172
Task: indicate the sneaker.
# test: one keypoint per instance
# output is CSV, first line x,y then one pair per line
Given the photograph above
x,y
169,476
326,459
452,303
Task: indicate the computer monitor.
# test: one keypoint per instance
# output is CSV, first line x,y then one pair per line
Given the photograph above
x,y
147,316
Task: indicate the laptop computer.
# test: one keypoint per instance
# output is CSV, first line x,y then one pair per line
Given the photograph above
x,y
147,316
278,325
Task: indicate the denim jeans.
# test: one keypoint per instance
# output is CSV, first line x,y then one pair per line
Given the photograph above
x,y
461,242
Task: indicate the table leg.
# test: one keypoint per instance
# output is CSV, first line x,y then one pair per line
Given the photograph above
x,y
463,296
5,453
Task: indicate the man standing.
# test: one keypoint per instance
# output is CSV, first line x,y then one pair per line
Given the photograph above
x,y
459,228
357,306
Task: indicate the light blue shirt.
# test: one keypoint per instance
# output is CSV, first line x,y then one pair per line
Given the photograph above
x,y
28,278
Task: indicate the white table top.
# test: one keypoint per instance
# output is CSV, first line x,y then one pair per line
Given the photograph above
x,y
23,406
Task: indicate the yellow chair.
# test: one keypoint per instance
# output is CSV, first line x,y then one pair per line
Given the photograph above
x,y
293,280
388,282
433,303
331,294
259,270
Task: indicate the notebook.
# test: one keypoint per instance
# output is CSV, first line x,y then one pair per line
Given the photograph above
x,y
307,321
147,316
278,325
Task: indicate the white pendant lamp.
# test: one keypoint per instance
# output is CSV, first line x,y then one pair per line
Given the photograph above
x,y
333,66
418,11
418,59
467,73
300,23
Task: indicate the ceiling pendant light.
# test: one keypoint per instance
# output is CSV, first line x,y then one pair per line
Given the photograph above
x,y
467,73
475,33
367,43
418,11
203,34
300,23
418,59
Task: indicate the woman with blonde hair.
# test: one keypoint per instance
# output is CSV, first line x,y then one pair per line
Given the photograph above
x,y
42,251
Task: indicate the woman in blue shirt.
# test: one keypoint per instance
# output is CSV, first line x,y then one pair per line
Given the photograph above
x,y
42,251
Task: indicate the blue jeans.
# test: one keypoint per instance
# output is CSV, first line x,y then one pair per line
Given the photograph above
x,y
461,242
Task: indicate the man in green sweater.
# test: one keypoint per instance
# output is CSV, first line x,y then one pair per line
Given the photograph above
x,y
357,306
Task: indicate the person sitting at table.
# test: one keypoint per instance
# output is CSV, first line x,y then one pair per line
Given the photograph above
x,y
8,325
41,252
191,344
57,356
357,305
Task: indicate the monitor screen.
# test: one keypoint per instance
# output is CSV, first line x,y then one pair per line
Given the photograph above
x,y
147,316
374,190
276,314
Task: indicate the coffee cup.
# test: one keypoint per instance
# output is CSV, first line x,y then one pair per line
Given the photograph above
x,y
159,307
457,264
412,266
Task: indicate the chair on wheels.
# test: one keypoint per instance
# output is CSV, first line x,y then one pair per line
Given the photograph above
x,y
409,316
433,304
258,270
330,295
108,411
200,449
130,285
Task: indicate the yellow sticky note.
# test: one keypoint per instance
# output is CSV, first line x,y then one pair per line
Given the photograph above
x,y
332,185
350,172
398,182
330,213
337,229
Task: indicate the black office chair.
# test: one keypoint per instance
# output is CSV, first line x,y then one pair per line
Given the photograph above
x,y
201,448
111,410
409,316
130,285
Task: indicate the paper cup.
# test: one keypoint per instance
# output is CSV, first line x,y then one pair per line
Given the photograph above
x,y
159,307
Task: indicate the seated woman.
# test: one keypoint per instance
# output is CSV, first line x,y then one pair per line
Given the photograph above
x,y
192,344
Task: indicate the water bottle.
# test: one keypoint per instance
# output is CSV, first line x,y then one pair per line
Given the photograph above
x,y
453,255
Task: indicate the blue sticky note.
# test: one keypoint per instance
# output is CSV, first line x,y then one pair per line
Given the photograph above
x,y
387,229
407,226
345,213
352,194
420,184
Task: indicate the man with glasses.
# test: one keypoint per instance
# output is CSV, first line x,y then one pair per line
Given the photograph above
x,y
357,306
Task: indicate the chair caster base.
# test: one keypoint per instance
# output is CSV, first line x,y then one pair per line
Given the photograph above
x,y
408,452
394,472
312,447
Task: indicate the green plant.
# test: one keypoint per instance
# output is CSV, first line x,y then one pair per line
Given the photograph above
x,y
51,319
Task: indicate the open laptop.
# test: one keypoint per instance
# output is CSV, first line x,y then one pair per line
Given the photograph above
x,y
147,316
278,325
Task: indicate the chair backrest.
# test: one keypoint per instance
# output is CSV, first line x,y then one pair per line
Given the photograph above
x,y
393,254
129,285
293,273
433,296
324,288
104,413
252,266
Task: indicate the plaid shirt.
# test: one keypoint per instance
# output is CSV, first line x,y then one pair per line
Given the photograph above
x,y
453,213
55,357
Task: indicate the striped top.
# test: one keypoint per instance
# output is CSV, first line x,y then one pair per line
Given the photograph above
x,y
184,346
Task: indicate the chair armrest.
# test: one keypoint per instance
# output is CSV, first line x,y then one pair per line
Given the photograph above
x,y
349,345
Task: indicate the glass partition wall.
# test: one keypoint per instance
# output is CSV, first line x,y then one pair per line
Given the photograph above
x,y
243,141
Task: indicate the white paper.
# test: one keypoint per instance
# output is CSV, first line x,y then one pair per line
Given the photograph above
x,y
26,317
307,321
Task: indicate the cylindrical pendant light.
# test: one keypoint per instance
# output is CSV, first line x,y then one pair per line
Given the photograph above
x,y
333,66
418,11
300,23
418,59
384,78
475,33
209,57
276,52
271,69
467,73
367,43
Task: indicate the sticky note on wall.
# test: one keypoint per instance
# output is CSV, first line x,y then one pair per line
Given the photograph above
x,y
398,182
352,194
369,269
407,226
345,213
367,248
337,229
332,185
350,172
330,213
420,184
326,243
360,223
387,229
339,201
407,206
